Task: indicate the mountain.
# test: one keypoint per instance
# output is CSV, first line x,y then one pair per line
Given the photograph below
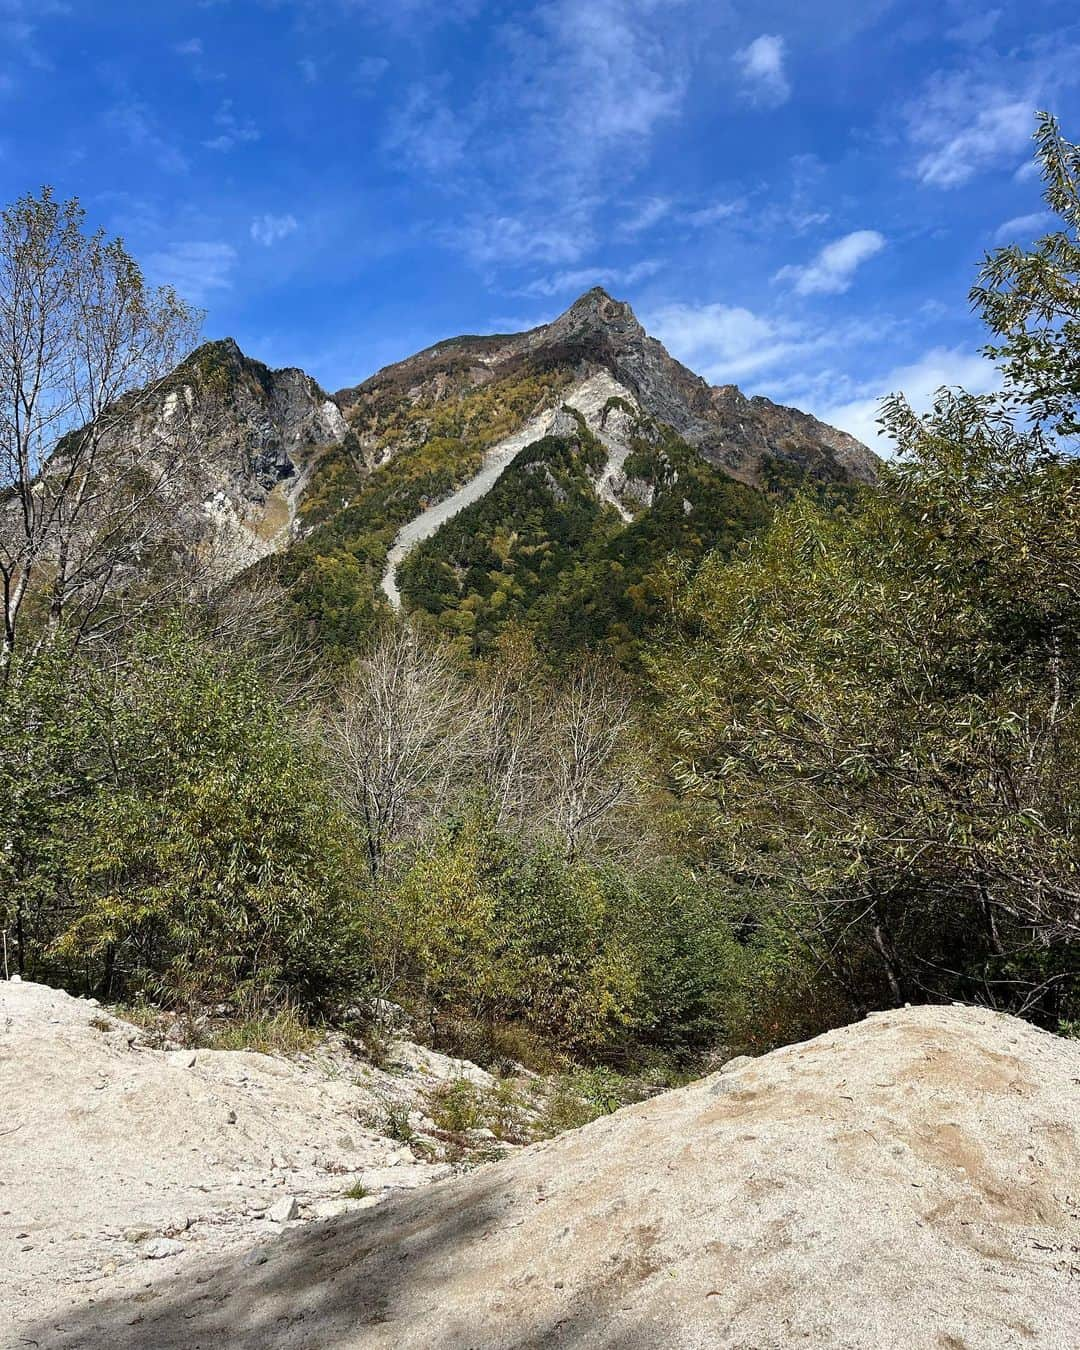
x,y
733,432
542,478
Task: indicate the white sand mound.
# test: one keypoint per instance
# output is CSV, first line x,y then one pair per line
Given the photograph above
x,y
910,1181
109,1147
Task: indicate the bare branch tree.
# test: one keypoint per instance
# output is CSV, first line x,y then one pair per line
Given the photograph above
x,y
403,731
589,739
84,344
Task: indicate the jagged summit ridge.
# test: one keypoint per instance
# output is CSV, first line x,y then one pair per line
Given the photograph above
x,y
737,434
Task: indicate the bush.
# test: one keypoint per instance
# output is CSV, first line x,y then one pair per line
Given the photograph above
x,y
193,850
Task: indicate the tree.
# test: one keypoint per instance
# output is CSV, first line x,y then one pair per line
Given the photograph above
x,y
84,342
401,732
588,772
1031,299
880,711
208,860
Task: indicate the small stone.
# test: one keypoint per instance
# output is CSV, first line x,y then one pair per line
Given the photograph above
x,y
255,1257
179,1223
158,1249
283,1210
137,1234
230,1119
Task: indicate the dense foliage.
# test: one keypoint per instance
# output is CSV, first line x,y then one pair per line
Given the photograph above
x,y
542,551
878,712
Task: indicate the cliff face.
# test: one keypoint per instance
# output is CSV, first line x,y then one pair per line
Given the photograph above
x,y
240,441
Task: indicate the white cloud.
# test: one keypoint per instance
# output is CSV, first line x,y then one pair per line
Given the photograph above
x,y
726,343
135,122
195,268
427,132
371,68
574,97
964,125
192,47
918,382
765,81
651,212
834,268
1021,229
269,229
712,215
232,130
975,28
506,239
583,279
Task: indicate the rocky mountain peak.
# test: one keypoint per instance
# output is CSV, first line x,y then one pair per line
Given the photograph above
x,y
597,310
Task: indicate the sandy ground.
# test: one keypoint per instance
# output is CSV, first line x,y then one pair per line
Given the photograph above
x,y
119,1160
910,1181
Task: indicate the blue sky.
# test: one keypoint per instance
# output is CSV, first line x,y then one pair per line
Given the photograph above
x,y
793,196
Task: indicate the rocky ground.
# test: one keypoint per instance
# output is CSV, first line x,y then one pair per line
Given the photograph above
x,y
122,1161
909,1181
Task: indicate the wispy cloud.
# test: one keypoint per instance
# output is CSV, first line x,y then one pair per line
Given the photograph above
x,y
511,239
918,381
371,68
975,28
832,271
704,216
195,268
651,212
268,229
584,278
139,128
21,51
761,63
1023,228
964,129
580,90
726,343
190,47
427,132
232,130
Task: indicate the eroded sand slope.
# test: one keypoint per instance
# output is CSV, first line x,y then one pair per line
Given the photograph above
x,y
909,1181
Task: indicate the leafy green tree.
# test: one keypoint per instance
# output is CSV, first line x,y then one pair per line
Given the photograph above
x,y
210,861
879,710
83,343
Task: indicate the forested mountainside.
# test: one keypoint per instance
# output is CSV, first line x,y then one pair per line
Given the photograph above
x,y
593,461
530,685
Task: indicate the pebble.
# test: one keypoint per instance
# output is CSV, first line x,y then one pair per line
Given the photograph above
x,y
281,1211
159,1248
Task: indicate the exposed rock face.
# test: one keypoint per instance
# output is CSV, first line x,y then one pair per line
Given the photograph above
x,y
244,439
907,1183
736,433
